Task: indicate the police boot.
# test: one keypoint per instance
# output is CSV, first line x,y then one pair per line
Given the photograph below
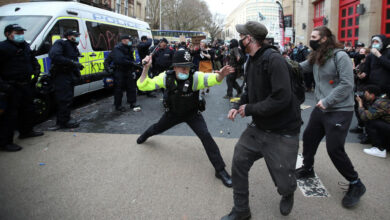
x,y
141,139
32,133
224,177
70,124
11,147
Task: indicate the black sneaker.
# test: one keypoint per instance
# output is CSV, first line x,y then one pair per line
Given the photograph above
x,y
234,215
286,204
356,130
30,134
303,173
365,140
352,197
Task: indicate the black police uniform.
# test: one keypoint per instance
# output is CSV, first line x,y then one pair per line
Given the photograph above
x,y
162,60
183,105
17,65
66,71
123,75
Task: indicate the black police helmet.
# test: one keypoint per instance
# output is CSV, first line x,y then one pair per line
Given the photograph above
x,y
182,58
71,33
13,27
124,36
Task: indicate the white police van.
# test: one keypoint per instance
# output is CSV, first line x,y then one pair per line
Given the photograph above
x,y
46,21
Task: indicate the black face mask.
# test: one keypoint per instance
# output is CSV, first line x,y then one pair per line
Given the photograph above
x,y
242,46
315,44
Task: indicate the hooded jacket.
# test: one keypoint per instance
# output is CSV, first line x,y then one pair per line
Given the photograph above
x,y
268,95
378,69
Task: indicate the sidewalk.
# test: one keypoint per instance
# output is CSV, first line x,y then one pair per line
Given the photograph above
x,y
65,175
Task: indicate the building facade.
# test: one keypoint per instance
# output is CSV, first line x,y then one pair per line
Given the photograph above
x,y
264,11
351,21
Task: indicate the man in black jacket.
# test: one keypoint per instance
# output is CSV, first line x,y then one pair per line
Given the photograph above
x,y
66,71
124,80
162,59
17,65
274,131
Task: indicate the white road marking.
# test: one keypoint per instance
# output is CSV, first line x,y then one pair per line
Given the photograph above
x,y
311,187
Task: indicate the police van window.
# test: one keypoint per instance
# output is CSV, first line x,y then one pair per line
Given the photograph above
x,y
33,25
58,29
104,37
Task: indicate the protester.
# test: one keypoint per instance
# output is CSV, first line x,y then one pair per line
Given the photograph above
x,y
332,115
377,119
274,131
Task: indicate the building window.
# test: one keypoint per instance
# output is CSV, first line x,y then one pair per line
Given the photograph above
x,y
139,10
126,7
386,18
118,6
348,22
288,21
319,13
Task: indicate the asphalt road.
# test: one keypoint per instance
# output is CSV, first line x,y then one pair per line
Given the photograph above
x,y
97,115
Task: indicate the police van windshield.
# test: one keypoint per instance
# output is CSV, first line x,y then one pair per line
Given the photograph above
x,y
33,25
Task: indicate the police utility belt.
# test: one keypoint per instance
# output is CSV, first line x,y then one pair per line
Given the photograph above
x,y
182,101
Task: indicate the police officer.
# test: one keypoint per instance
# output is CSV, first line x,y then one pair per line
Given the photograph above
x,y
181,98
124,80
66,71
17,65
162,59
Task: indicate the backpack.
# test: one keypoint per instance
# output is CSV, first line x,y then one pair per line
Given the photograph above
x,y
296,75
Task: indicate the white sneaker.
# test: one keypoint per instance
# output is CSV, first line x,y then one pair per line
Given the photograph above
x,y
375,152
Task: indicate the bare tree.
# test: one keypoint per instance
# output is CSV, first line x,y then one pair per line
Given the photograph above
x,y
215,26
153,9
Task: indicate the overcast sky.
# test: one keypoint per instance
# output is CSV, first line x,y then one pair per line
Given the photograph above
x,y
223,7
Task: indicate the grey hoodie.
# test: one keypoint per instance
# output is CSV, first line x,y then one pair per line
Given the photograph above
x,y
334,89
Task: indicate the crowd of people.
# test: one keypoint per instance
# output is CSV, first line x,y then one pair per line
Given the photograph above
x,y
184,72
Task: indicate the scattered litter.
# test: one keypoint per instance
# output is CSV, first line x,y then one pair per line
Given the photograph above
x,y
94,112
42,164
221,132
122,123
133,201
303,106
46,148
74,135
228,133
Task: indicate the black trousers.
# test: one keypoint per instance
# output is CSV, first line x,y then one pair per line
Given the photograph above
x,y
64,92
333,125
379,131
124,82
309,80
232,83
280,154
198,125
18,115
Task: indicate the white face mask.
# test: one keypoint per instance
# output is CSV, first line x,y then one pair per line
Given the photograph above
x,y
182,76
377,46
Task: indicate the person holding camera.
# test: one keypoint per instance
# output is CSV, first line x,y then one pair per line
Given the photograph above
x,y
377,119
182,103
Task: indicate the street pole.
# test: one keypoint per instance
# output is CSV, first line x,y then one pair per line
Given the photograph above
x,y
160,15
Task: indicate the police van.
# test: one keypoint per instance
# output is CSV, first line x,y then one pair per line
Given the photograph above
x,y
46,22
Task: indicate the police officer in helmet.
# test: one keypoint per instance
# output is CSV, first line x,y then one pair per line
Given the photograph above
x,y
66,71
181,98
17,66
124,80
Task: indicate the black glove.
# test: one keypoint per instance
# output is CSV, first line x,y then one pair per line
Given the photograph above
x,y
78,65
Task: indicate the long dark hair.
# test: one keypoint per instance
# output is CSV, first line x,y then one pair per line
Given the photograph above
x,y
325,51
